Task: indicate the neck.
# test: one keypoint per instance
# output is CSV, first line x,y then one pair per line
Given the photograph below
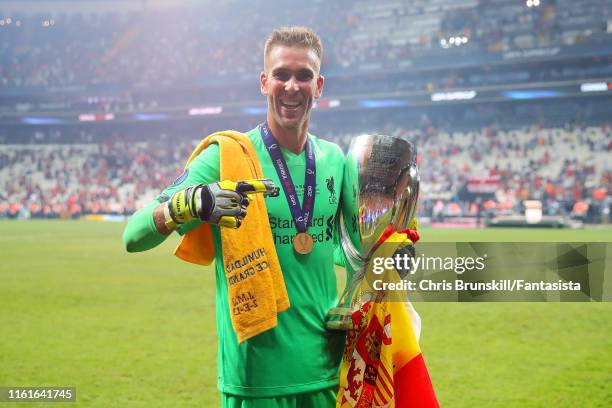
x,y
292,139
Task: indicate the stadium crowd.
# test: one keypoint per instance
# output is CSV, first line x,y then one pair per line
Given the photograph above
x,y
568,169
70,180
179,56
202,44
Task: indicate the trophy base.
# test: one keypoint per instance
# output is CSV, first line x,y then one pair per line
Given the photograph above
x,y
339,318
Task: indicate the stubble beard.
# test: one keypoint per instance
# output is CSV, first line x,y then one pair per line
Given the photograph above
x,y
299,125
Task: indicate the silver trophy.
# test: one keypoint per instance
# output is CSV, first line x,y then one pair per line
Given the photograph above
x,y
380,189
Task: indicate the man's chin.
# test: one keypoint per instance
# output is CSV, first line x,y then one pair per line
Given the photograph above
x,y
290,123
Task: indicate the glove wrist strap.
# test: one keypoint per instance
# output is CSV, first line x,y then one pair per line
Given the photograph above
x,y
179,206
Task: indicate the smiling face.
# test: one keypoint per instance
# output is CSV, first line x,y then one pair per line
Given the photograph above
x,y
291,81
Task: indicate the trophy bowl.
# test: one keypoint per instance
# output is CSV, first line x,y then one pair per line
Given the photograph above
x,y
380,190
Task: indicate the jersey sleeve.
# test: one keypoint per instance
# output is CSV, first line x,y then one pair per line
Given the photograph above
x,y
140,233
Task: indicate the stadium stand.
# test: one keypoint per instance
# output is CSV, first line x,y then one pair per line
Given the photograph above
x,y
201,44
72,179
97,109
559,166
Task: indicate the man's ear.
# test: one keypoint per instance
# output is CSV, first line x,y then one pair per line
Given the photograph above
x,y
320,83
263,82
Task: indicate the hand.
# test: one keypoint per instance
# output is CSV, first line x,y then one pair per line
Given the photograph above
x,y
223,203
406,252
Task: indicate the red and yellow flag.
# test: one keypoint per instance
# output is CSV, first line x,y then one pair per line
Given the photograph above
x,y
382,364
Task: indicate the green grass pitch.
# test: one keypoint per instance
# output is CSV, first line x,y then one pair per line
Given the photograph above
x,y
138,330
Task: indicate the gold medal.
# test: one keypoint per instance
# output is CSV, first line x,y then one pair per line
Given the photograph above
x,y
303,243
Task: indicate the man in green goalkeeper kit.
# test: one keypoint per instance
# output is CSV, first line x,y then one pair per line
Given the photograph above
x,y
296,363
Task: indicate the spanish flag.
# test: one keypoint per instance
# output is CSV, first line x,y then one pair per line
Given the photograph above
x,y
382,364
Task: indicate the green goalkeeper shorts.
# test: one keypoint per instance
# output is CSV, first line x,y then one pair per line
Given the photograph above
x,y
317,399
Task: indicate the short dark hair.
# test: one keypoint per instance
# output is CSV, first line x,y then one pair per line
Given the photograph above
x,y
294,37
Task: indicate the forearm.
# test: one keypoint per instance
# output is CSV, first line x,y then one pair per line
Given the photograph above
x,y
145,229
159,219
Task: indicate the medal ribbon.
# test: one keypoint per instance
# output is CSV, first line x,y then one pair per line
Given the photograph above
x,y
302,216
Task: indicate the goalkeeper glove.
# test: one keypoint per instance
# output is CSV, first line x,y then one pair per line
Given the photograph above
x,y
223,203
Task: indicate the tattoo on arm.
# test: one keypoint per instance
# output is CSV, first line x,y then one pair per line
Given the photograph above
x,y
160,220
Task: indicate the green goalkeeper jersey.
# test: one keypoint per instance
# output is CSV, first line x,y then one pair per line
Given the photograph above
x,y
299,355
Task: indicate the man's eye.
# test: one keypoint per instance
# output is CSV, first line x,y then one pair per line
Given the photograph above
x,y
304,76
282,76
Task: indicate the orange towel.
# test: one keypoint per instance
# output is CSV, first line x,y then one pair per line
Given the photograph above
x,y
256,288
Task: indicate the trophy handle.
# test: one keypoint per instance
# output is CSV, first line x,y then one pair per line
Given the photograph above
x,y
351,254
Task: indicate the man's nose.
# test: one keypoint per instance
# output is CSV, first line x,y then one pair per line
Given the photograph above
x,y
291,85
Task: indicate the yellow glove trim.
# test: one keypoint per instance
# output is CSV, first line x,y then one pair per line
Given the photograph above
x,y
168,221
180,208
